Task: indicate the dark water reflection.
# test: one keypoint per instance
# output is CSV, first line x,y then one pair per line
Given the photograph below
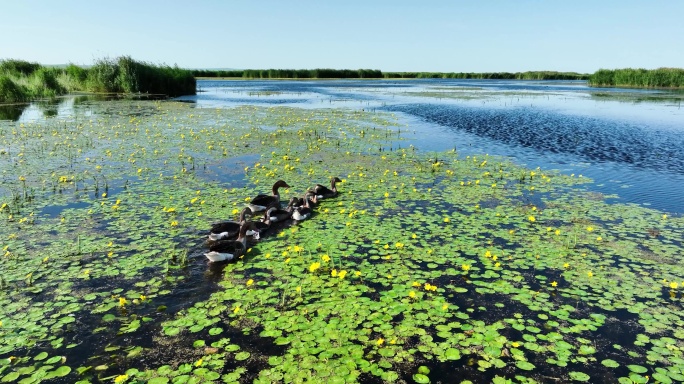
x,y
63,107
587,138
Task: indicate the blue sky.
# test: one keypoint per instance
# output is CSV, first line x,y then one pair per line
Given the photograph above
x,y
438,36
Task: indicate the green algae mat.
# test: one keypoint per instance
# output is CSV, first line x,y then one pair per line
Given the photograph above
x,y
428,267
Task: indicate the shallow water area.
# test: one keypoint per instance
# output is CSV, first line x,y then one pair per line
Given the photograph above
x,y
430,264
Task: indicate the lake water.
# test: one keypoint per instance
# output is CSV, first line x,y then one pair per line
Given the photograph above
x,y
631,142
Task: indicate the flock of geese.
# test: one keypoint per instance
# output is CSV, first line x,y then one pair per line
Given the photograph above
x,y
228,239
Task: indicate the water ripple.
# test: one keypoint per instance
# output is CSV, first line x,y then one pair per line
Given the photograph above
x,y
592,139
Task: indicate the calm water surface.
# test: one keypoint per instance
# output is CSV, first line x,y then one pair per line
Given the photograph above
x,y
631,142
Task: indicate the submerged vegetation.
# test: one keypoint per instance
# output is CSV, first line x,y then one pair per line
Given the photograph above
x,y
427,267
377,74
641,78
24,81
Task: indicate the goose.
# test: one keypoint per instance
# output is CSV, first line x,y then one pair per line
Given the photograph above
x,y
275,215
296,202
261,226
225,250
261,202
323,192
227,229
303,212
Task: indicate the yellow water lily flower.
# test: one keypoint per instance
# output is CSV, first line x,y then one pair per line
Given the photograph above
x,y
314,266
465,267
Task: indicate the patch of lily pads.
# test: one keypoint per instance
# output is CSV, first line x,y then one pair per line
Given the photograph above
x,y
426,267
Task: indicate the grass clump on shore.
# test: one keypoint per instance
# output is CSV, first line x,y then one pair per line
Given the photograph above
x,y
642,78
22,80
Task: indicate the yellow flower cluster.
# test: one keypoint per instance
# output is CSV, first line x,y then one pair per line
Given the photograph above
x,y
314,266
430,287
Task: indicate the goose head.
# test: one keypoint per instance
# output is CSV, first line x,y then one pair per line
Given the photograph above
x,y
279,184
334,180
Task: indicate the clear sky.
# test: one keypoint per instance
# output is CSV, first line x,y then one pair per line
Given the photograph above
x,y
392,35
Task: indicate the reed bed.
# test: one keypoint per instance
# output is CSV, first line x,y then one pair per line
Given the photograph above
x,y
23,81
377,74
641,78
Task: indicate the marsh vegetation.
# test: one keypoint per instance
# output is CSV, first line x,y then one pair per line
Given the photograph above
x,y
22,81
429,266
377,74
638,78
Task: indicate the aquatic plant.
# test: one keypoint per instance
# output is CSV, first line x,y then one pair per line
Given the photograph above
x,y
10,91
18,67
529,75
638,78
425,267
22,81
377,74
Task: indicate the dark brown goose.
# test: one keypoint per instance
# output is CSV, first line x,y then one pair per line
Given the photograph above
x,y
261,202
323,192
305,211
228,229
226,250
